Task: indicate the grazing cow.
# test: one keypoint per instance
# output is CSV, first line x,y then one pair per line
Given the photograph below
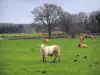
x,y
46,41
82,39
50,51
82,45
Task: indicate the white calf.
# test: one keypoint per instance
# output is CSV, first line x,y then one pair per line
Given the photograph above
x,y
50,51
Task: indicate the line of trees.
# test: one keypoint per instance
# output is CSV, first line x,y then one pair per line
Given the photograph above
x,y
49,17
11,28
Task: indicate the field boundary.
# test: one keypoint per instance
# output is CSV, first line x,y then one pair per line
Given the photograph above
x,y
16,37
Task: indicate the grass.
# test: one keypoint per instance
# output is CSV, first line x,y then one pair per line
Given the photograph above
x,y
22,57
22,34
28,34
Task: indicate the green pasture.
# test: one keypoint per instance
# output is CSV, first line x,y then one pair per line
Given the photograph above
x,y
22,57
27,34
22,34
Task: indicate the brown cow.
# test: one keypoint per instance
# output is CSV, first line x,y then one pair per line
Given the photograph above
x,y
82,38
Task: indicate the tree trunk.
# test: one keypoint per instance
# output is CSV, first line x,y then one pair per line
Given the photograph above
x,y
67,28
73,35
49,31
99,27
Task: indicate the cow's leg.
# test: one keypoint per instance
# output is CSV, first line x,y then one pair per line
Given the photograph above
x,y
59,58
82,41
54,59
44,58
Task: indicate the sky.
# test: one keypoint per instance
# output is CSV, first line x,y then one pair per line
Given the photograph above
x,y
19,11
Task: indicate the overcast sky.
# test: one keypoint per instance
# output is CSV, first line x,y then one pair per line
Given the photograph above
x,y
19,11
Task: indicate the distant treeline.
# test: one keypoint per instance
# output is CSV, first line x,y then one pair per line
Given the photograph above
x,y
11,28
69,23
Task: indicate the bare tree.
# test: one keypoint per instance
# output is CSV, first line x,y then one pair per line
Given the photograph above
x,y
82,18
92,25
65,22
98,19
73,22
48,14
